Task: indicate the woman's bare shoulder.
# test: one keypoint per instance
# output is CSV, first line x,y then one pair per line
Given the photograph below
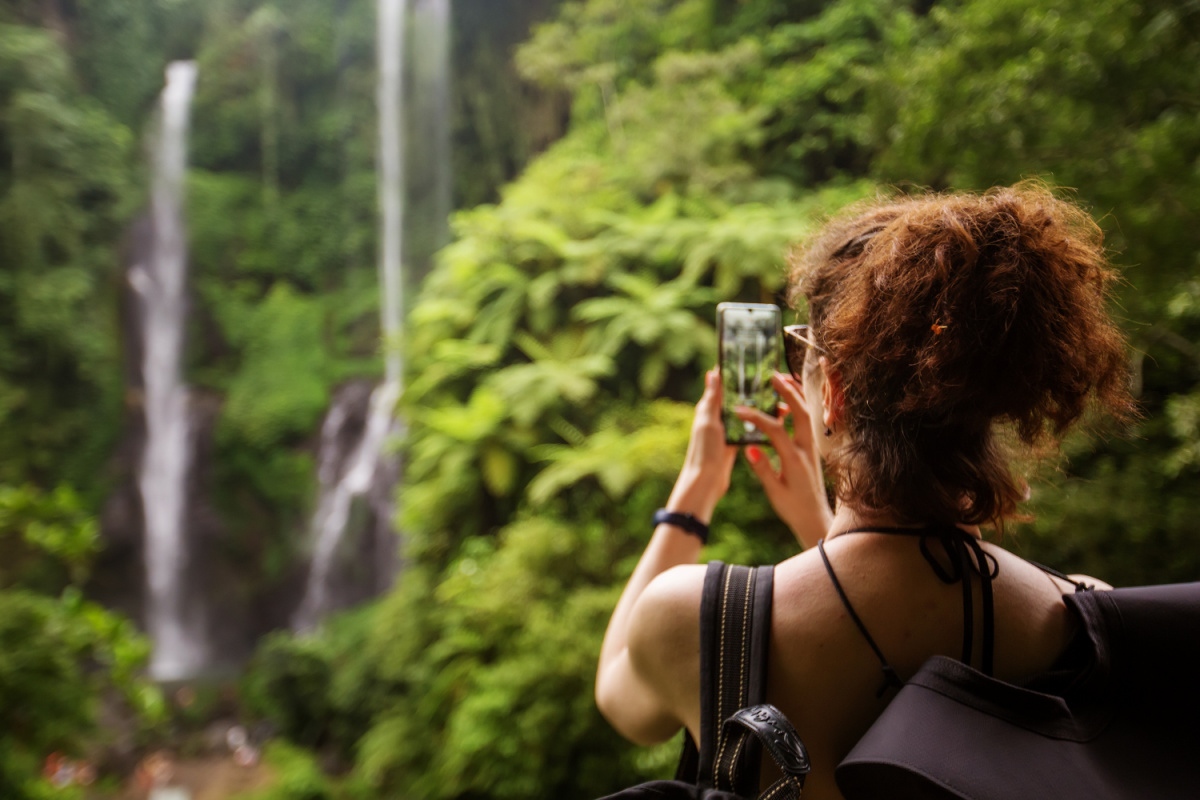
x,y
664,639
1066,584
667,615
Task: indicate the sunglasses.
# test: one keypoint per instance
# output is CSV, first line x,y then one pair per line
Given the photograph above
x,y
796,341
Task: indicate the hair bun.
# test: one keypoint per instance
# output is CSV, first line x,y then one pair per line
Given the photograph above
x,y
955,312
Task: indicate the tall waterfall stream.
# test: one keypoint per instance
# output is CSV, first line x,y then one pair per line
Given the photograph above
x,y
176,627
343,478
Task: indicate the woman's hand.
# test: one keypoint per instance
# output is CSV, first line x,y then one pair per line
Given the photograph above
x,y
797,491
704,478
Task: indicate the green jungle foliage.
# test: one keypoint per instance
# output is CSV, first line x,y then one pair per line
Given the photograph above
x,y
65,190
281,208
63,181
555,348
62,658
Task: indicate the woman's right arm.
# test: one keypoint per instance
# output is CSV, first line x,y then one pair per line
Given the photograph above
x,y
645,689
649,636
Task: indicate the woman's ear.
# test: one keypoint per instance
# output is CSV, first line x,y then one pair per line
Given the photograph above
x,y
832,398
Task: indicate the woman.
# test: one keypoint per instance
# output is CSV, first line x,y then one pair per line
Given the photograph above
x,y
947,335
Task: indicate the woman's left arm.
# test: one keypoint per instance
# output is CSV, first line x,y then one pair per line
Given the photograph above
x,y
629,684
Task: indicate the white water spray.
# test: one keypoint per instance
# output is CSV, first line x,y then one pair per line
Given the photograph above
x,y
179,647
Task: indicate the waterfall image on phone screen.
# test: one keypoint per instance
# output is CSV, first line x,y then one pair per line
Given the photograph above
x,y
749,336
750,382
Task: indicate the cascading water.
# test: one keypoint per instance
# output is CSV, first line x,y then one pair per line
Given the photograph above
x,y
390,102
175,627
429,187
444,200
359,471
342,481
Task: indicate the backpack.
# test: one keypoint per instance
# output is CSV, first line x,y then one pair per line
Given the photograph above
x,y
1116,718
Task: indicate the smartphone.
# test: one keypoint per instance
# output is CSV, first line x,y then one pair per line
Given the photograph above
x,y
748,351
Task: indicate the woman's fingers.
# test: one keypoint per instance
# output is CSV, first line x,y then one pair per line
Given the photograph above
x,y
790,391
797,490
773,427
760,464
793,395
709,405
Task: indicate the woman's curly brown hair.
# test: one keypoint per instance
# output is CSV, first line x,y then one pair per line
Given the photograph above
x,y
952,318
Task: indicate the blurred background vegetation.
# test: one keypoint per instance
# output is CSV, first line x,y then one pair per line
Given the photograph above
x,y
628,166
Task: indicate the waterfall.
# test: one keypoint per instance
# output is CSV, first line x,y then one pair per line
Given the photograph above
x,y
342,481
179,647
366,462
390,102
430,185
443,191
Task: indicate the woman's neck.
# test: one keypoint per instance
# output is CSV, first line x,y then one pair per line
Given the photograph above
x,y
849,519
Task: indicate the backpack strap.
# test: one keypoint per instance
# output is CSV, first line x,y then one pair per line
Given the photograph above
x,y
735,627
693,768
737,762
776,734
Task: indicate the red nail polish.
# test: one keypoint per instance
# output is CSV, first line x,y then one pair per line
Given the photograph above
x,y
754,454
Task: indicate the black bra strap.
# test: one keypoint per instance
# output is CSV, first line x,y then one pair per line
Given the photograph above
x,y
961,548
890,678
1080,586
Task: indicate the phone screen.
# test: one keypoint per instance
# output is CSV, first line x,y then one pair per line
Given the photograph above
x,y
749,355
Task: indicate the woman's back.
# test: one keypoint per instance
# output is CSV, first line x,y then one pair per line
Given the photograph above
x,y
823,674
